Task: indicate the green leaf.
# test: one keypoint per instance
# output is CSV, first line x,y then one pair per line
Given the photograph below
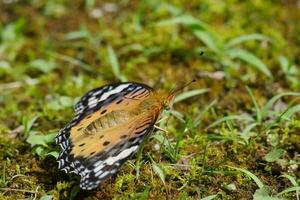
x,y
284,64
291,179
211,41
274,155
178,115
159,171
43,65
258,112
53,153
163,141
231,117
82,33
43,140
144,195
262,194
187,20
246,134
251,59
291,111
60,103
189,94
291,189
198,119
115,64
266,109
70,60
245,38
210,197
28,123
248,173
5,67
40,151
47,197
199,29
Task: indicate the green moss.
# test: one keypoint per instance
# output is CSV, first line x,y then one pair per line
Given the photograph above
x,y
52,52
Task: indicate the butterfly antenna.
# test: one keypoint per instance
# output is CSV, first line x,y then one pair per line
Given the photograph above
x,y
173,92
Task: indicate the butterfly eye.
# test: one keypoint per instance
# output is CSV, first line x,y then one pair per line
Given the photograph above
x,y
167,108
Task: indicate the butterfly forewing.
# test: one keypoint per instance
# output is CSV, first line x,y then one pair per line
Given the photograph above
x,y
109,125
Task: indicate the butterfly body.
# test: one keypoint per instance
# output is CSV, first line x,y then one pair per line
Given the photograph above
x,y
109,125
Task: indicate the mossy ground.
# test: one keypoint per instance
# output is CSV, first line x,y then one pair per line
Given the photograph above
x,y
52,52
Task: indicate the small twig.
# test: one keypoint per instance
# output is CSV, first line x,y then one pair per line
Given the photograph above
x,y
69,59
18,190
11,85
17,84
36,190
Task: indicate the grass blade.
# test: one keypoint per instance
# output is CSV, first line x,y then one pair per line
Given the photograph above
x,y
294,183
186,20
198,119
251,59
189,94
158,170
246,134
209,39
115,64
245,38
257,109
251,175
199,29
291,189
210,197
291,111
231,117
291,179
272,101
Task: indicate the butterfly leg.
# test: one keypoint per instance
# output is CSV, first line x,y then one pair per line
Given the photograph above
x,y
160,129
162,119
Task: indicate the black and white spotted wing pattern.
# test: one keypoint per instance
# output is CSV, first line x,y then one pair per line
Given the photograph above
x,y
94,148
96,97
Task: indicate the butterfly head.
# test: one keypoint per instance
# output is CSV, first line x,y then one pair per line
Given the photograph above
x,y
166,103
166,100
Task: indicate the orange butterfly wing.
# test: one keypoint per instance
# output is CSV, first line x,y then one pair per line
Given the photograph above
x,y
106,131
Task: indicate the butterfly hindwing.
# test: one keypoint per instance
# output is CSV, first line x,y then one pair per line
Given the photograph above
x,y
97,141
108,162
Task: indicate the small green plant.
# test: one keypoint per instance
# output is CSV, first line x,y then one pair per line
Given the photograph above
x,y
224,52
40,144
3,181
263,192
11,39
291,71
262,116
274,155
295,187
60,103
42,65
159,170
210,197
171,149
28,123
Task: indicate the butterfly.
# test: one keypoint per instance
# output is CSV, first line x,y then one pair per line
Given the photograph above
x,y
109,125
